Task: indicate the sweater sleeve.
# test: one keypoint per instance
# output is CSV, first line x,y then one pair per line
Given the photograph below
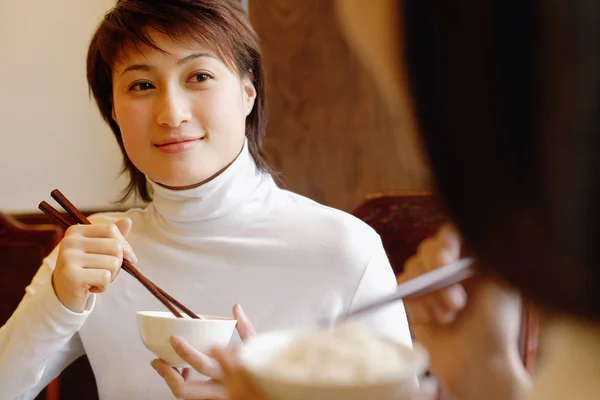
x,y
40,339
378,280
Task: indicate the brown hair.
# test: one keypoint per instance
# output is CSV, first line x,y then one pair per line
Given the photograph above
x,y
508,100
219,23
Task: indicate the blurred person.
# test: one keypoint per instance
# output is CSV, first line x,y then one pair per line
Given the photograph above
x,y
507,99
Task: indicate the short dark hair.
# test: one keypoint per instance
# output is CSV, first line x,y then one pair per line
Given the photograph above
x,y
219,23
507,96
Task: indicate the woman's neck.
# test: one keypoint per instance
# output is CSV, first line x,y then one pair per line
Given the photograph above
x,y
235,196
195,185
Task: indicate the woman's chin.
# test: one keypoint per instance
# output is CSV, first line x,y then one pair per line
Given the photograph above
x,y
180,185
185,183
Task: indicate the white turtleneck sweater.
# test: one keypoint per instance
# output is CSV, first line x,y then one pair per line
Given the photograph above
x,y
237,239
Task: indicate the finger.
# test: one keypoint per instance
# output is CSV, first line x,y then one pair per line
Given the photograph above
x,y
128,253
95,231
450,238
186,373
445,303
107,231
417,308
106,246
201,362
441,305
455,297
412,268
191,390
238,385
418,312
109,246
434,254
438,309
226,358
124,226
73,246
101,261
97,280
112,246
244,326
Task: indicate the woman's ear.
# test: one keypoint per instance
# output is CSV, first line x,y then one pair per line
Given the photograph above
x,y
249,93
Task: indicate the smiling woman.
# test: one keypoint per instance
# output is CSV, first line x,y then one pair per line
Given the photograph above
x,y
192,70
180,83
181,107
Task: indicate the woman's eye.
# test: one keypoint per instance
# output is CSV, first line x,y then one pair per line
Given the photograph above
x,y
201,77
141,86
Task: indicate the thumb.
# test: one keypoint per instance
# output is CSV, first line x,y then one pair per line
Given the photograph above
x,y
244,326
124,226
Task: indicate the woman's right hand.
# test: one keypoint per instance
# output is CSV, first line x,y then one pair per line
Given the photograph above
x,y
470,330
89,258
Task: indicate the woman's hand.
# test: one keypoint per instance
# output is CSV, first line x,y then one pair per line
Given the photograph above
x,y
89,258
180,383
470,330
235,380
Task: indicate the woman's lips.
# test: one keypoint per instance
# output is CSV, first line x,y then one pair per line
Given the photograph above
x,y
178,146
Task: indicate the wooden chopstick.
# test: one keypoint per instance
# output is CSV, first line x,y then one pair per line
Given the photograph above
x,y
75,217
69,207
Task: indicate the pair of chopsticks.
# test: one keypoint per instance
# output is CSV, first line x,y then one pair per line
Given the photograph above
x,y
76,217
428,282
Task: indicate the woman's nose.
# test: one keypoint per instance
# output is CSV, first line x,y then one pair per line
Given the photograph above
x,y
173,109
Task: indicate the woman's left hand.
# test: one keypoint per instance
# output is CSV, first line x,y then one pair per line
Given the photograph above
x,y
185,388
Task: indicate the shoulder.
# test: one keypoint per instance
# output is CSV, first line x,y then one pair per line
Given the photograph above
x,y
332,228
317,215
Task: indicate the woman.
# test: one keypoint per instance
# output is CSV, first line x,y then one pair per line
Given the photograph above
x,y
507,95
181,85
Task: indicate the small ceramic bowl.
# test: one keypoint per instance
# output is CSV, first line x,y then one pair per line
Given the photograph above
x,y
156,328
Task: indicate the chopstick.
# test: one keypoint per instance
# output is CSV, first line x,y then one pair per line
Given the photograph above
x,y
428,282
76,217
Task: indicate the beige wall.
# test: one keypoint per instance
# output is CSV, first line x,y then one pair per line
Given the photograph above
x,y
51,135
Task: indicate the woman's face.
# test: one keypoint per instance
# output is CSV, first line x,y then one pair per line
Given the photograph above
x,y
182,112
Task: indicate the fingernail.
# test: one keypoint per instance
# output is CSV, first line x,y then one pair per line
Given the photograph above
x,y
240,309
153,365
175,341
446,318
446,257
457,297
132,257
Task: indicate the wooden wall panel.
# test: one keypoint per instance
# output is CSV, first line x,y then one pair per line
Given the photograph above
x,y
329,130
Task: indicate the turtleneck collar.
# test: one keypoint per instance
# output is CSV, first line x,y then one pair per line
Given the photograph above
x,y
216,198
